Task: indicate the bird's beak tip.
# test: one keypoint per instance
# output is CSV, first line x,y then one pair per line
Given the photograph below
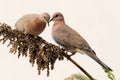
x,y
50,21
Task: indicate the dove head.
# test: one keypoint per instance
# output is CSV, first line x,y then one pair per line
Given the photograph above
x,y
46,17
57,16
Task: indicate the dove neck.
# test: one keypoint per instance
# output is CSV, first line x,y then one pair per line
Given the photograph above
x,y
59,22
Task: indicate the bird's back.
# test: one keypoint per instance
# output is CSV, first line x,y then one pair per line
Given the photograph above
x,y
69,38
24,21
31,24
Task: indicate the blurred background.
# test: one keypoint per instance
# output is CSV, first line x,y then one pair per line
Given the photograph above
x,y
98,21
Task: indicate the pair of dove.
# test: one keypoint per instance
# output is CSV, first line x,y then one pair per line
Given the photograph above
x,y
64,35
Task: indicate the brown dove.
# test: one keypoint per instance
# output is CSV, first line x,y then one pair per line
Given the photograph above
x,y
33,24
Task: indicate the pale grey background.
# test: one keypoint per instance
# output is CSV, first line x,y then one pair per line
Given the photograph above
x,y
97,20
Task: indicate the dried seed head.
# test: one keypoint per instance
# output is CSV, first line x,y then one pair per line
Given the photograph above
x,y
40,51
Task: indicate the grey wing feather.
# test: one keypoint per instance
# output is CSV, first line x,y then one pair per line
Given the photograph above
x,y
67,37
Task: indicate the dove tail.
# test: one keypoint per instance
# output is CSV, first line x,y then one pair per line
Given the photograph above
x,y
94,57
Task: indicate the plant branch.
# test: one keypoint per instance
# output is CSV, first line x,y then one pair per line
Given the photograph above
x,y
77,65
40,51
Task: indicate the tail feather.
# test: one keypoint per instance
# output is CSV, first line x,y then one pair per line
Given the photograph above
x,y
94,57
103,64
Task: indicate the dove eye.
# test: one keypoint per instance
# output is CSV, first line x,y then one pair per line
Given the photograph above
x,y
44,17
57,15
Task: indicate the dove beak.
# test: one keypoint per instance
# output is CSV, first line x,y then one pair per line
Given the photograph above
x,y
50,20
46,20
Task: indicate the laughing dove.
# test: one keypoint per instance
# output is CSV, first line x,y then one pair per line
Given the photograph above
x,y
71,40
33,24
